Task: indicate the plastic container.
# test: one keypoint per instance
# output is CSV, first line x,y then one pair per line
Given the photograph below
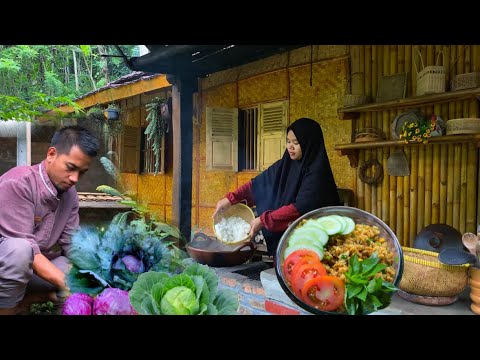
x,y
359,217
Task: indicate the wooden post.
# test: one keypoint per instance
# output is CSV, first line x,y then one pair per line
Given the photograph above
x,y
182,101
24,143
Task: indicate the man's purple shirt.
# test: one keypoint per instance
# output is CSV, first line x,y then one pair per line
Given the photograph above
x,y
30,208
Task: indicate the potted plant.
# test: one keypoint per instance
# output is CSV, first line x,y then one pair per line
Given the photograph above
x,y
112,112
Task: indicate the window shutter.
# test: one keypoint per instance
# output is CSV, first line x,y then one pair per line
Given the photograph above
x,y
131,149
222,139
273,124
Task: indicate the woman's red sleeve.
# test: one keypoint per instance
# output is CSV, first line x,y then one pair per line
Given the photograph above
x,y
244,192
278,220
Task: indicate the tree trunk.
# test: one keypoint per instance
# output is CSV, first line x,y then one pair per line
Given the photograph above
x,y
77,87
103,51
89,70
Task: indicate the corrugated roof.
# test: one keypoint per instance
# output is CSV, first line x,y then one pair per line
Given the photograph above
x,y
125,80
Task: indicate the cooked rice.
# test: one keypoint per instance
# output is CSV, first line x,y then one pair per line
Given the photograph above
x,y
363,241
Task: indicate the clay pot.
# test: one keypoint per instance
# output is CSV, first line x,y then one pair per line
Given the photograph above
x,y
211,252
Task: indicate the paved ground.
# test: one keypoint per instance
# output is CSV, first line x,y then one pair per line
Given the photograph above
x,y
398,306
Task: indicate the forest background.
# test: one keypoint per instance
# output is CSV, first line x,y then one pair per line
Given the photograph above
x,y
37,78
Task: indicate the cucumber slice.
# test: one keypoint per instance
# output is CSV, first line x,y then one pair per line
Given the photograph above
x,y
303,245
320,233
308,236
341,221
331,225
350,225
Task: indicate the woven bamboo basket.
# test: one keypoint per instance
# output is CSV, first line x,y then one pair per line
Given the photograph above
x,y
240,210
369,134
424,274
466,81
430,79
353,100
463,126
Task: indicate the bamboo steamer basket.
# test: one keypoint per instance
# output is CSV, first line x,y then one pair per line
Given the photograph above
x,y
463,126
239,210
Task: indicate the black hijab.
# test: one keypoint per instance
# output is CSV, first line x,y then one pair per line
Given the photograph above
x,y
308,183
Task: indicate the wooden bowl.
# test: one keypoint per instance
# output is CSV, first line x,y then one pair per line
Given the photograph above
x,y
475,291
475,308
474,274
475,298
474,284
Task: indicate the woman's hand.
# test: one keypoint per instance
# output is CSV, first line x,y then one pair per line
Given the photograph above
x,y
221,205
255,226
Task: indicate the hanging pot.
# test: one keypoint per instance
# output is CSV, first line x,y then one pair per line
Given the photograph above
x,y
112,114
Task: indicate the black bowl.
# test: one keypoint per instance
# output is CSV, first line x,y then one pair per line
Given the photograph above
x,y
360,217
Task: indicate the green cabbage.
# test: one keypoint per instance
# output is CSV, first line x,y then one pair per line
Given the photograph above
x,y
193,292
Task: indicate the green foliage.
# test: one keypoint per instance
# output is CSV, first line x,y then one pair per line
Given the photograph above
x,y
366,290
193,292
157,127
98,256
29,70
13,108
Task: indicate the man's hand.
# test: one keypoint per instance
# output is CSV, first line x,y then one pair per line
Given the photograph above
x,y
45,269
221,206
255,226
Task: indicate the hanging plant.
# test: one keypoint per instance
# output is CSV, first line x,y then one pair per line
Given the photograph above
x,y
95,117
157,126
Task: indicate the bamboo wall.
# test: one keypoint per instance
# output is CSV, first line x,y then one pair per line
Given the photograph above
x,y
154,191
313,90
443,182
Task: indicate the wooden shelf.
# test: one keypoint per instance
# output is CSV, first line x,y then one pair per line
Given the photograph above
x,y
352,112
351,150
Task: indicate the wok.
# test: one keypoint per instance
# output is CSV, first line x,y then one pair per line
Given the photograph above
x,y
205,250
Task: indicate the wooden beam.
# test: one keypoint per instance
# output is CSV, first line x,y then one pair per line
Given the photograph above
x,y
351,112
182,104
351,150
122,92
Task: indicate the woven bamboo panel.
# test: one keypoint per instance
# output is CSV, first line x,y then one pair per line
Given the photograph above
x,y
151,189
129,181
221,96
131,117
158,210
219,78
320,52
261,88
215,184
169,188
320,102
272,63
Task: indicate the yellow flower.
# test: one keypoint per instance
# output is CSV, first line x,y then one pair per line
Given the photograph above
x,y
417,130
425,141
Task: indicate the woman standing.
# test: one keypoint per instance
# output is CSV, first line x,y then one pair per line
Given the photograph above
x,y
299,182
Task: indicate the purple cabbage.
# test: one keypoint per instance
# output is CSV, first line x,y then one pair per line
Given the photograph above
x,y
78,304
133,264
113,301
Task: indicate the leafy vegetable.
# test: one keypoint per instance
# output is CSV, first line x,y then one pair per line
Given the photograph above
x,y
113,302
366,291
194,292
78,304
117,256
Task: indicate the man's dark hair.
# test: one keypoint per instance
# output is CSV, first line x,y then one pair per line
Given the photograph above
x,y
68,136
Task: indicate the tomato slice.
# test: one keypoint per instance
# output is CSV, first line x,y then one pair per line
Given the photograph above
x,y
323,292
302,272
292,260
